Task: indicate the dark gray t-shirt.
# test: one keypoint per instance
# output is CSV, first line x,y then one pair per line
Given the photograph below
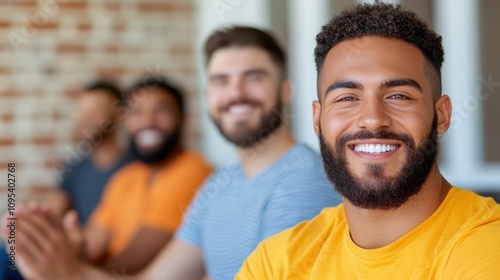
x,y
84,184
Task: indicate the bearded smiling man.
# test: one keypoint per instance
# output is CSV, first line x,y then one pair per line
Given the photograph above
x,y
142,204
379,112
277,184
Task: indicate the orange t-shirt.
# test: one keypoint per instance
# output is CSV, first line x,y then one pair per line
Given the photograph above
x,y
131,201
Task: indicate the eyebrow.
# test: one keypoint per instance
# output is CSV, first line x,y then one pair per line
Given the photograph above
x,y
343,84
386,84
255,71
400,82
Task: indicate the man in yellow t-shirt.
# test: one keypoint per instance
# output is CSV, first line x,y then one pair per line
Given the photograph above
x,y
379,113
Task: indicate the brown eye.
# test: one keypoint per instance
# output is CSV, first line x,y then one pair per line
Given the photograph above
x,y
399,96
348,98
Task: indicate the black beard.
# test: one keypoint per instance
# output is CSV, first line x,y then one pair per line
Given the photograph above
x,y
378,192
246,137
170,142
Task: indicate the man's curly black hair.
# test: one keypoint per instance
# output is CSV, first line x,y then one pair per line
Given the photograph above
x,y
387,20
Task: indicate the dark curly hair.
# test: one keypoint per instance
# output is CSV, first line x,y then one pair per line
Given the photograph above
x,y
106,86
149,82
387,20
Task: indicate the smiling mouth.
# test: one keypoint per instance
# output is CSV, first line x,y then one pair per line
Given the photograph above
x,y
375,148
239,109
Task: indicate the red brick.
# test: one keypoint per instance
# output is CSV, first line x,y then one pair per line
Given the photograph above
x,y
111,72
84,26
72,4
181,50
4,24
43,26
44,141
178,56
7,117
118,26
113,6
164,7
111,49
71,48
5,164
9,93
26,3
7,142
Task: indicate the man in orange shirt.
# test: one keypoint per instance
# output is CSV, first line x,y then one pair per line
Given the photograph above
x,y
143,203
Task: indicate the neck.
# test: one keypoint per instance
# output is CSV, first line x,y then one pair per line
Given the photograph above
x,y
107,153
263,154
372,229
154,168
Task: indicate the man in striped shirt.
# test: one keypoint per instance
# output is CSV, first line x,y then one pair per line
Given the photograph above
x,y
277,183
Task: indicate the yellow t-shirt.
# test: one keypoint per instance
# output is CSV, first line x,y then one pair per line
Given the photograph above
x,y
131,201
460,240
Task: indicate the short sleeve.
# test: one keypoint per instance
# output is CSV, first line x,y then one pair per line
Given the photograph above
x,y
298,198
263,261
102,216
477,255
64,184
192,225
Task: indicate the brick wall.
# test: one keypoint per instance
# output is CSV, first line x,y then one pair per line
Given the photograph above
x,y
49,48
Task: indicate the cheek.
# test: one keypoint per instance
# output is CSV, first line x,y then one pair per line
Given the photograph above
x,y
131,126
333,125
214,102
260,92
418,126
166,121
134,122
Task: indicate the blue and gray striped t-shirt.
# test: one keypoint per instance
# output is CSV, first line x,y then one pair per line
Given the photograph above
x,y
232,214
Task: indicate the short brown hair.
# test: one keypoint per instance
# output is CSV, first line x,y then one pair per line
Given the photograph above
x,y
243,36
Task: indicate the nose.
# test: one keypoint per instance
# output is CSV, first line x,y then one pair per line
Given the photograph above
x,y
373,115
148,119
235,89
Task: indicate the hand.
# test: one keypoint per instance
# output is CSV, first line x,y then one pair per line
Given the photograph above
x,y
44,249
74,232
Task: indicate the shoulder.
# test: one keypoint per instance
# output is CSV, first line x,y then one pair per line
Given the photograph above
x,y
476,252
192,157
124,174
303,237
310,232
318,229
126,158
130,169
304,156
302,174
474,209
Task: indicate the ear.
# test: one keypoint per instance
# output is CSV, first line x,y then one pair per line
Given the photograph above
x,y
443,111
286,91
316,108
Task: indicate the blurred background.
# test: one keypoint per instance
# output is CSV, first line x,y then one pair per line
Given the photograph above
x,y
49,49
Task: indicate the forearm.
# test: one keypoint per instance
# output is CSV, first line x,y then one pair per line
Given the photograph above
x,y
95,244
140,251
85,271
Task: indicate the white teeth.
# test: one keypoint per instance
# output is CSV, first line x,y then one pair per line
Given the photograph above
x,y
374,148
384,148
148,138
240,109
